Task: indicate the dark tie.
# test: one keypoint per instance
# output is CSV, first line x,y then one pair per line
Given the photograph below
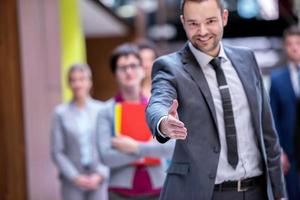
x,y
230,131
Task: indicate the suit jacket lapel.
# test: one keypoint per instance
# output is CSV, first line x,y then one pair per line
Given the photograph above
x,y
288,83
192,67
245,73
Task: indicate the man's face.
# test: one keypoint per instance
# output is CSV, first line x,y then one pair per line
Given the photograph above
x,y
292,47
129,72
203,24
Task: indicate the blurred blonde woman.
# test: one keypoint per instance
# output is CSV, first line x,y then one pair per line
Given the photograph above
x,y
74,152
148,54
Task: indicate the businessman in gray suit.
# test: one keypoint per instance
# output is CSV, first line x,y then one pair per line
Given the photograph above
x,y
210,98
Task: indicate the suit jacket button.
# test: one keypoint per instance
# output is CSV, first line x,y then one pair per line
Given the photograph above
x,y
216,149
211,176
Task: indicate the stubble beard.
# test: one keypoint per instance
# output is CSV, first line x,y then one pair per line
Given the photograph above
x,y
210,47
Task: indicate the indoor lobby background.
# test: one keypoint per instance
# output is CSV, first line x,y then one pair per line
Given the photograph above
x,y
40,39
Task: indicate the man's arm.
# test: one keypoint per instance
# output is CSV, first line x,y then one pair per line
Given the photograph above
x,y
273,149
162,114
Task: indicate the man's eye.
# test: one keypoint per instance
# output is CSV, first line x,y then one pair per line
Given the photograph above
x,y
193,24
211,21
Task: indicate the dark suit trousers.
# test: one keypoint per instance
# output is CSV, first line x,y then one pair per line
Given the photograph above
x,y
256,193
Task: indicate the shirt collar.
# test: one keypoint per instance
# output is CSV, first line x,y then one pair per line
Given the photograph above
x,y
204,59
293,66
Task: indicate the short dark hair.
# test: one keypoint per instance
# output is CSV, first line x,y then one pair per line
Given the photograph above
x,y
82,67
123,50
147,45
291,30
219,2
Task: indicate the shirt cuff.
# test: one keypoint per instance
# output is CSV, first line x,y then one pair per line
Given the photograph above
x,y
157,127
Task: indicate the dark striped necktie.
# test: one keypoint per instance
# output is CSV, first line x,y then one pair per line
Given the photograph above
x,y
230,130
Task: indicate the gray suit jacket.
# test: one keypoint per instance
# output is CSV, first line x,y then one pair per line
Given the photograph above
x,y
122,172
65,141
192,172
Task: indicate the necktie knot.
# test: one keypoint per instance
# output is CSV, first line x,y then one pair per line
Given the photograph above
x,y
216,62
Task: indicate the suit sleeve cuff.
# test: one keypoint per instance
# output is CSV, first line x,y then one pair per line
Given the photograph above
x,y
157,127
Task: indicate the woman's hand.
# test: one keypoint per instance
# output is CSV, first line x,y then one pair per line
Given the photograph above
x,y
88,182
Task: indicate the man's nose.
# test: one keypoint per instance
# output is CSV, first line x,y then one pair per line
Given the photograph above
x,y
202,29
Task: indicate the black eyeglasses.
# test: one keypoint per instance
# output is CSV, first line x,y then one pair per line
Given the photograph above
x,y
124,68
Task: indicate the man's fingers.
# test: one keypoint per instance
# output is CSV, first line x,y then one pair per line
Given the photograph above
x,y
178,136
178,130
173,128
178,133
174,122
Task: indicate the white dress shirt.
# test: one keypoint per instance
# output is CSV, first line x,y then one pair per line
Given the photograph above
x,y
83,124
295,77
250,162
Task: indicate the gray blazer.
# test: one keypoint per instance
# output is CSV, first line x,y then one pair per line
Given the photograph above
x,y
65,141
122,172
192,172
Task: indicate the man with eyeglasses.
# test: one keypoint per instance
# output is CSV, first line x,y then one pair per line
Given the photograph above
x,y
128,179
210,98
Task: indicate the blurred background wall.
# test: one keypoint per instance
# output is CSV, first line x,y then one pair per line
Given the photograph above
x,y
40,54
12,145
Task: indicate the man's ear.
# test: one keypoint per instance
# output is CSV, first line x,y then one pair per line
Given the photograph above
x,y
182,19
225,17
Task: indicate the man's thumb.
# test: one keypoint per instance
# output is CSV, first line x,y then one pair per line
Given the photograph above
x,y
173,108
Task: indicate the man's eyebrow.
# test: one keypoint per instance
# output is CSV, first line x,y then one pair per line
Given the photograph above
x,y
191,20
211,18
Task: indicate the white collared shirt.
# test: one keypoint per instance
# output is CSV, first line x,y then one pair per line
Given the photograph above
x,y
250,162
84,129
294,78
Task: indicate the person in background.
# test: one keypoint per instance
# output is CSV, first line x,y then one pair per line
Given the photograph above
x,y
73,143
284,92
127,180
148,54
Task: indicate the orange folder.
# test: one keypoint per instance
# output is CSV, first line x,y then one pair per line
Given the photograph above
x,y
130,120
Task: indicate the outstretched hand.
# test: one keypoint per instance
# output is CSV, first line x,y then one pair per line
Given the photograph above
x,y
171,126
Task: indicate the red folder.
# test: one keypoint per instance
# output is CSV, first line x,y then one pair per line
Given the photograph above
x,y
130,120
